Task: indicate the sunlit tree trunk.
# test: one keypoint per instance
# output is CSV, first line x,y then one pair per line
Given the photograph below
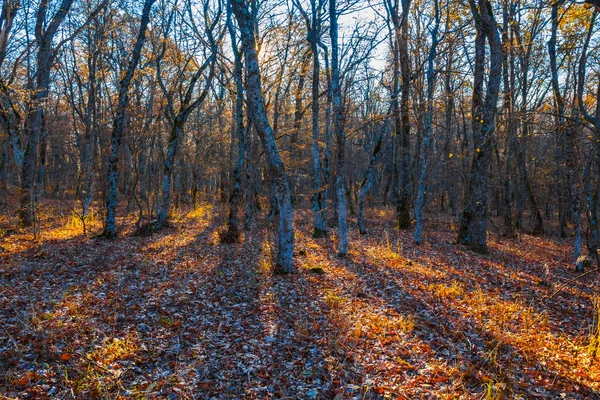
x,y
256,108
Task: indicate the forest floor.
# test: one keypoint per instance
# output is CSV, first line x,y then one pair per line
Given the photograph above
x,y
179,316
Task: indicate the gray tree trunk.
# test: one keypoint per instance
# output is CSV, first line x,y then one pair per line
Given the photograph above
x,y
256,108
338,128
473,226
10,118
431,77
41,84
110,227
236,193
567,133
366,184
318,197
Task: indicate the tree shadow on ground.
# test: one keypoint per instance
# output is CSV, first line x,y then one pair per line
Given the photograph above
x,y
448,324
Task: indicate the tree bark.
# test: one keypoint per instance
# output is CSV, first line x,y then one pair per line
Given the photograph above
x,y
473,227
566,135
110,227
431,77
338,127
256,108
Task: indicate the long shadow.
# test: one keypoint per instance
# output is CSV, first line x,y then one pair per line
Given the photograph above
x,y
58,312
205,320
469,337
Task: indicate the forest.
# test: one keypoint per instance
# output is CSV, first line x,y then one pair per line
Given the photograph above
x,y
300,199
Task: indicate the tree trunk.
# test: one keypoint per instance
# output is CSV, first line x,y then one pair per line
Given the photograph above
x,y
405,172
366,183
110,227
567,138
236,193
256,108
318,197
473,227
431,76
338,127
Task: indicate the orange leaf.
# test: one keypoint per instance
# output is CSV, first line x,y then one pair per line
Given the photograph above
x,y
66,356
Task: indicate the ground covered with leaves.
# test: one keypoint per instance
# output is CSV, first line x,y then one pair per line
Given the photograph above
x,y
178,315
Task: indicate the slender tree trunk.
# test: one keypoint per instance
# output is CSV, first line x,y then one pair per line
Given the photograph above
x,y
236,193
328,136
318,197
366,183
405,172
338,127
568,139
295,155
172,149
511,140
431,77
110,227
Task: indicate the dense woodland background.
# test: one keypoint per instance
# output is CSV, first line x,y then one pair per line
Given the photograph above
x,y
473,109
362,134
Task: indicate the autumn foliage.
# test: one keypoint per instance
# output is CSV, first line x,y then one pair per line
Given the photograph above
x,y
180,315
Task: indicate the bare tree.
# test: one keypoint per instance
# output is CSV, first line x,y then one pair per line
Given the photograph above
x,y
246,18
110,227
473,226
431,78
178,115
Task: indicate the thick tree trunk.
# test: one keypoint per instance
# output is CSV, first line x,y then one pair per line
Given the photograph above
x,y
256,108
473,227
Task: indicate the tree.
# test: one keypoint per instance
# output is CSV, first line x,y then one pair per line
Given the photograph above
x,y
186,80
110,228
46,52
431,78
400,105
236,193
246,18
473,226
318,199
338,128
